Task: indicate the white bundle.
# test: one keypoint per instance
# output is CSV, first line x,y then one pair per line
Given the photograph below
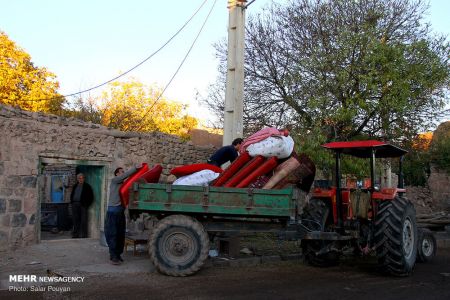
x,y
279,146
200,178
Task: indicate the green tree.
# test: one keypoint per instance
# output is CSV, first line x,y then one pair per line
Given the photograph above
x,y
440,147
132,106
84,109
23,84
342,69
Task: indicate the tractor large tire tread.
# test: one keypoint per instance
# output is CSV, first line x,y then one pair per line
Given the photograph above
x,y
388,236
196,228
315,215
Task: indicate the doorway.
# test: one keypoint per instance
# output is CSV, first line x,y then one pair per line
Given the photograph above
x,y
94,176
56,181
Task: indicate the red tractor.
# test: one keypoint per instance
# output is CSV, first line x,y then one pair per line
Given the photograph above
x,y
363,219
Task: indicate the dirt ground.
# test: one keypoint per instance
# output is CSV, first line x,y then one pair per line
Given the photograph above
x,y
245,278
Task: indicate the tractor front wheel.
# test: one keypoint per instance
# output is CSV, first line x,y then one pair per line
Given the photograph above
x,y
396,236
178,246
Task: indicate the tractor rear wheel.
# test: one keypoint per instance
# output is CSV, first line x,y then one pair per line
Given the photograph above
x,y
317,252
426,248
396,236
178,245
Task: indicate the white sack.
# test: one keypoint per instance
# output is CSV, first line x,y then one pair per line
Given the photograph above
x,y
200,178
279,146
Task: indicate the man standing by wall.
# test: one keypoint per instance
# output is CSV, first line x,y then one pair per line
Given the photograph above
x,y
115,225
81,198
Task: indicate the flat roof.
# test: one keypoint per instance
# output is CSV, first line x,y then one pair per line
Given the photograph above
x,y
363,149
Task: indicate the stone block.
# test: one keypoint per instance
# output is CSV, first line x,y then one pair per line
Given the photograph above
x,y
19,192
5,220
13,181
29,181
3,240
2,206
32,219
6,192
14,205
19,220
16,237
30,205
29,235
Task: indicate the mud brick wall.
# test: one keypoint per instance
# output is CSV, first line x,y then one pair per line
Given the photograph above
x,y
27,136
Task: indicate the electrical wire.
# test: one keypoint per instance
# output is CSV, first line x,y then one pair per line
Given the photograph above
x,y
128,71
179,67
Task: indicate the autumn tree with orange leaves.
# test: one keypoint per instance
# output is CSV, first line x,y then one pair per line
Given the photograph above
x,y
23,84
133,106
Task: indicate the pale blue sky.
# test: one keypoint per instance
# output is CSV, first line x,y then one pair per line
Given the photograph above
x,y
87,42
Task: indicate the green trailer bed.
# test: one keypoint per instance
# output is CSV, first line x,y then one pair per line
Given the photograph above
x,y
167,198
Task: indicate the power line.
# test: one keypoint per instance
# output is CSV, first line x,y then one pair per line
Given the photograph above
x,y
179,67
125,73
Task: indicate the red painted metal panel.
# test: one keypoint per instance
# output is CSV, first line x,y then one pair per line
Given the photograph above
x,y
363,149
354,144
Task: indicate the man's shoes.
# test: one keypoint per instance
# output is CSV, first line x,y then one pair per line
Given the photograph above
x,y
115,261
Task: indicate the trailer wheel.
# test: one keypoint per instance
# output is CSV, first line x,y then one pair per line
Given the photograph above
x,y
178,246
396,236
317,252
426,248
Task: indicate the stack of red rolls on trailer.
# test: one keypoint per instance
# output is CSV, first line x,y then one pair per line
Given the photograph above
x,y
267,160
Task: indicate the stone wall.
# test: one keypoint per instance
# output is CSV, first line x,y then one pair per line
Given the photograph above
x,y
439,184
28,138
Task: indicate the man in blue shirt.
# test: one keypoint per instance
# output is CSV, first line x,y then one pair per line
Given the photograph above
x,y
226,153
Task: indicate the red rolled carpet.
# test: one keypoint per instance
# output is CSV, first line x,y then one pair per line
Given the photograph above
x,y
263,169
232,169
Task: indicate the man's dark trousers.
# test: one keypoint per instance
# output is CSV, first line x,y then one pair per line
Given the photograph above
x,y
115,231
80,216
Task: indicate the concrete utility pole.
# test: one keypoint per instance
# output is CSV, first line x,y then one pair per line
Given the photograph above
x,y
234,92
